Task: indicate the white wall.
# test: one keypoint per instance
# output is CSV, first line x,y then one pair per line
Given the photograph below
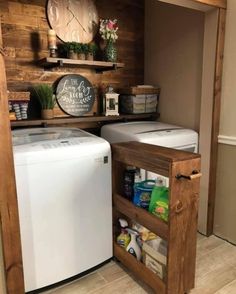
x,y
225,209
173,49
177,40
228,105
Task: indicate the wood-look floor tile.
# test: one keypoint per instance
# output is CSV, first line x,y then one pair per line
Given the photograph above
x,y
228,289
215,280
84,285
206,245
112,272
223,255
215,274
124,285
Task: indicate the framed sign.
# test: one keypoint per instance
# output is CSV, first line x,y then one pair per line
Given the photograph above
x,y
75,95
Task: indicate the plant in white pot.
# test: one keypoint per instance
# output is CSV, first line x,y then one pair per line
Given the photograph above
x,y
46,98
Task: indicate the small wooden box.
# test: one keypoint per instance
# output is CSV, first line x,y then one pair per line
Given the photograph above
x,y
155,257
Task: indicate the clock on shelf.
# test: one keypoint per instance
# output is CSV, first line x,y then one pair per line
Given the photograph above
x,y
73,20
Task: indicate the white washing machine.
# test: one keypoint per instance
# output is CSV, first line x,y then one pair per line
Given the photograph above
x,y
63,179
152,132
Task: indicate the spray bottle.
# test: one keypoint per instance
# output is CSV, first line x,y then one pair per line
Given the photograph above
x,y
124,238
133,247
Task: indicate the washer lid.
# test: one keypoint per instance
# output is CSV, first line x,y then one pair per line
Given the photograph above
x,y
139,127
39,135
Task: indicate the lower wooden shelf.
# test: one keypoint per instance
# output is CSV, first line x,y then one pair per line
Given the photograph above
x,y
139,269
141,216
85,121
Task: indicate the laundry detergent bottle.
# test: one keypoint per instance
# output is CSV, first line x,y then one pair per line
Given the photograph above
x,y
159,204
133,247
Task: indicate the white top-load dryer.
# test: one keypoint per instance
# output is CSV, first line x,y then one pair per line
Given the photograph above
x,y
152,132
63,179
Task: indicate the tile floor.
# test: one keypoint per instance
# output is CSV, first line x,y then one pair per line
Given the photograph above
x,y
215,273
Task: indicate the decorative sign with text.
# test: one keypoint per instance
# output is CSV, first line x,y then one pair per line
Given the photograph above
x,y
75,95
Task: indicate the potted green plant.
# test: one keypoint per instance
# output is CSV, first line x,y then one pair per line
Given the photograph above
x,y
46,98
92,49
71,49
80,49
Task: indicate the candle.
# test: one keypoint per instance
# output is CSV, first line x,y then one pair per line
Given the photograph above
x,y
52,39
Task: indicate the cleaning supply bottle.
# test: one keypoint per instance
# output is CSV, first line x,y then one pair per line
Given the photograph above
x,y
128,186
124,238
159,204
142,193
133,247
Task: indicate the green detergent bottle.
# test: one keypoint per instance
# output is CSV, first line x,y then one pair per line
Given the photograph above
x,y
159,204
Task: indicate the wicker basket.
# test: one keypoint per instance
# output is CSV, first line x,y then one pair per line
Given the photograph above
x,y
18,105
137,100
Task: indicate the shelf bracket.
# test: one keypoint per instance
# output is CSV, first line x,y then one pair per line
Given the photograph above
x,y
101,70
60,63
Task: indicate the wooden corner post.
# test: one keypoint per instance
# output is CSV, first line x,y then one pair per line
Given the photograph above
x,y
9,218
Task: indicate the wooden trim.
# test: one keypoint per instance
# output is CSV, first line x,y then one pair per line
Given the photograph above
x,y
216,119
215,3
10,227
227,140
201,5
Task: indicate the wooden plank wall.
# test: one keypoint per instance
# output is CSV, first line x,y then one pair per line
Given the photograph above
x,y
24,29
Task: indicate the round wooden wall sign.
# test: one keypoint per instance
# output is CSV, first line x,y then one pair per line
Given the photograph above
x,y
75,95
73,20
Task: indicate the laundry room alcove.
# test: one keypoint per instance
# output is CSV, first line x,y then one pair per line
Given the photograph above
x,y
184,43
190,91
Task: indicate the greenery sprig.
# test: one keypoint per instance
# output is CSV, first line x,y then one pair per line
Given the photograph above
x,y
45,96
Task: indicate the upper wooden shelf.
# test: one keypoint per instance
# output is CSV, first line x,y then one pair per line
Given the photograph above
x,y
83,121
99,66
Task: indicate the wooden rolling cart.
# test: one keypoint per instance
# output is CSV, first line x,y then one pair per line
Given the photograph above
x,y
183,170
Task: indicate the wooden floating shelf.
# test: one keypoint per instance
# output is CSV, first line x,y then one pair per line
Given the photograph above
x,y
49,62
140,215
139,269
83,119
